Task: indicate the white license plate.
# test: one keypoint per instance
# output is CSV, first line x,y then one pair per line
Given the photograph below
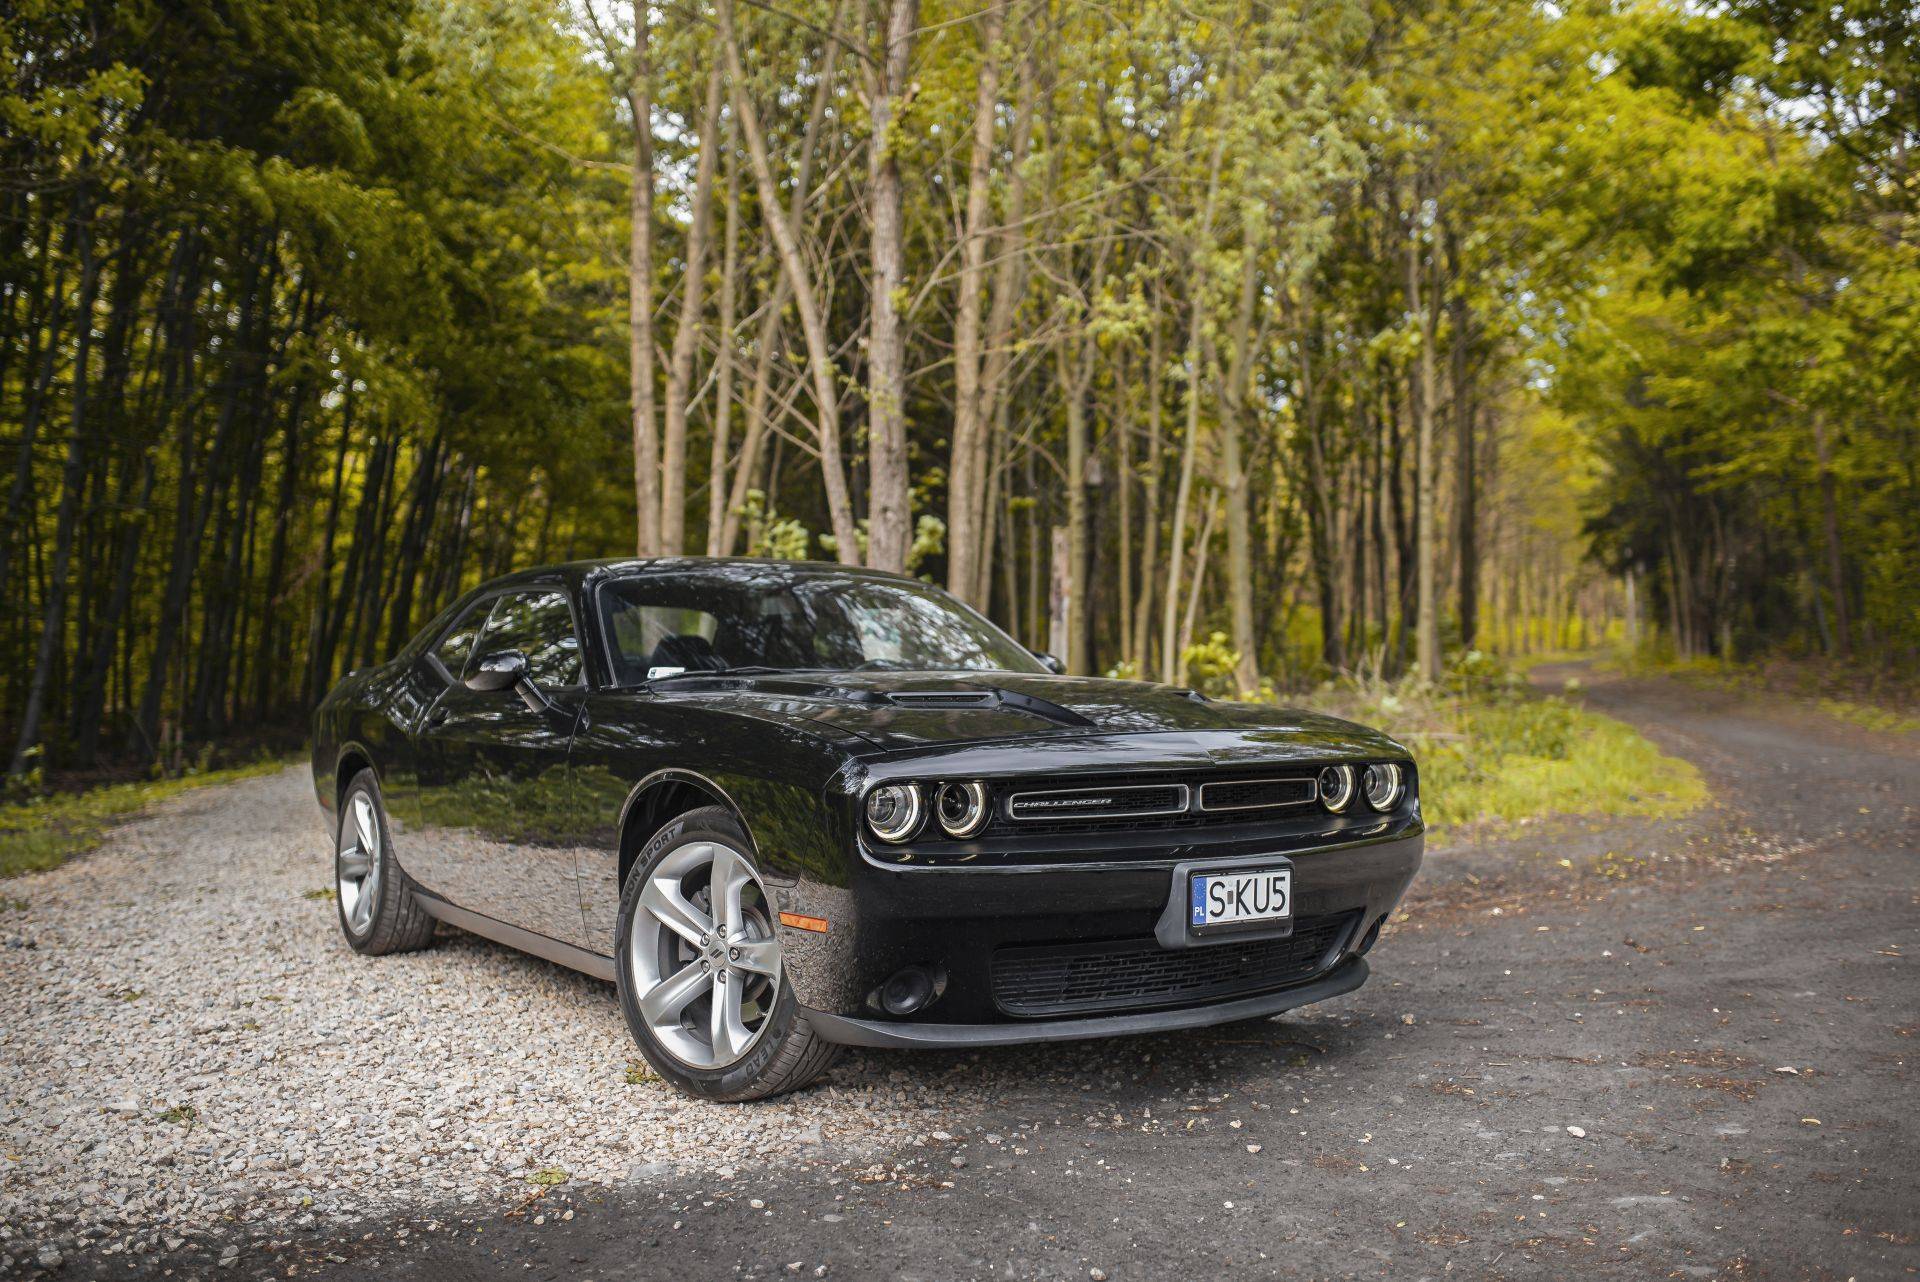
x,y
1239,897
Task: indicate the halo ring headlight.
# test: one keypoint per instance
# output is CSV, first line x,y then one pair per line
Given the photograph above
x,y
1384,784
961,808
894,811
1337,787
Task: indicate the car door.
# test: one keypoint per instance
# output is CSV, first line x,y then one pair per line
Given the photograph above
x,y
494,772
410,775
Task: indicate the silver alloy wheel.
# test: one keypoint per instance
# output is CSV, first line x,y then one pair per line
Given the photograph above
x,y
356,864
704,963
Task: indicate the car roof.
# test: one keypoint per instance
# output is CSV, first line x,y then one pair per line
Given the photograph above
x,y
583,573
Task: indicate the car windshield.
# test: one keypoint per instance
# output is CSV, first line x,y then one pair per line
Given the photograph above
x,y
731,617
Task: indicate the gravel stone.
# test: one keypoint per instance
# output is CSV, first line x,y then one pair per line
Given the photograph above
x,y
188,1044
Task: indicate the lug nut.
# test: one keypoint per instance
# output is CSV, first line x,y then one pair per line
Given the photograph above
x,y
734,953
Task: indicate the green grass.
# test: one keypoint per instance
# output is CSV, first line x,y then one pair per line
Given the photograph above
x,y
1490,752
1526,758
45,832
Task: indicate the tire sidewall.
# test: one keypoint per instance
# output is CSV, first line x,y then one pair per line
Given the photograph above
x,y
366,781
736,1080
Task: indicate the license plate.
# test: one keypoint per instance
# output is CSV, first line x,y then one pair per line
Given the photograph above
x,y
1241,897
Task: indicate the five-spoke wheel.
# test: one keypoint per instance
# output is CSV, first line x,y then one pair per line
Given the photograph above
x,y
356,862
702,982
705,963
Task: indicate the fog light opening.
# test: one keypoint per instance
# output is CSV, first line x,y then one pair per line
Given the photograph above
x,y
1372,936
909,990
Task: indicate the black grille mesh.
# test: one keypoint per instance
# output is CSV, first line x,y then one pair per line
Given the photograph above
x,y
1252,794
1138,974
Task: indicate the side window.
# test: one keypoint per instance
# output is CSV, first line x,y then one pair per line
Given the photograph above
x,y
539,625
457,648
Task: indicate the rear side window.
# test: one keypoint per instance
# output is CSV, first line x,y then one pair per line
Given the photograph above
x,y
457,647
540,626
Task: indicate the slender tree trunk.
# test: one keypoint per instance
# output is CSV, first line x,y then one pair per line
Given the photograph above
x,y
717,488
1427,620
1196,329
1150,497
1246,675
53,617
890,520
965,511
1009,282
686,335
646,442
1830,533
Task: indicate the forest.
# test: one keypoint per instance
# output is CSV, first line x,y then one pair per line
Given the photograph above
x,y
1231,342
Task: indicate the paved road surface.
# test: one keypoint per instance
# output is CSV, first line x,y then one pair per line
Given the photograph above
x,y
1691,1054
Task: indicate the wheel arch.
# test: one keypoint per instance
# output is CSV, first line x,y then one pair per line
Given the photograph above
x,y
659,797
353,758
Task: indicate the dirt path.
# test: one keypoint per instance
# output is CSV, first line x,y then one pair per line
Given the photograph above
x,y
1554,1069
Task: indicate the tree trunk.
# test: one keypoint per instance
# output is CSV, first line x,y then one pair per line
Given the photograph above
x,y
686,335
1830,533
889,518
717,489
1427,619
646,443
53,617
965,512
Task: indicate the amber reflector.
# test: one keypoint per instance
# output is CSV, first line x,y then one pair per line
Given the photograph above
x,y
800,921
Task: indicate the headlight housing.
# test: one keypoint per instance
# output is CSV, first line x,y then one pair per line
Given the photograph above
x,y
1385,783
961,808
894,811
1336,788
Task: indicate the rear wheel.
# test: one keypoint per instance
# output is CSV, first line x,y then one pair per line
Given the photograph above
x,y
699,967
378,913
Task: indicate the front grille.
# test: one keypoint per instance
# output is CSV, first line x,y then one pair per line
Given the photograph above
x,y
1138,974
1167,801
1078,804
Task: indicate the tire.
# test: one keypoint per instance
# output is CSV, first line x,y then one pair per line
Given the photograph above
x,y
390,919
783,1052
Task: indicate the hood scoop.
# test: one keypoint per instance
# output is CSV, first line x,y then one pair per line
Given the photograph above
x,y
991,697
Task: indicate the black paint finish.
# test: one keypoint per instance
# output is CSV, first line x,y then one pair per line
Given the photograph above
x,y
518,811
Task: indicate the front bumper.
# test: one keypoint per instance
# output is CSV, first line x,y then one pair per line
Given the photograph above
x,y
954,920
1343,978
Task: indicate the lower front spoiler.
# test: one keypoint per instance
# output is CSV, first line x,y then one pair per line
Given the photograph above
x,y
873,1032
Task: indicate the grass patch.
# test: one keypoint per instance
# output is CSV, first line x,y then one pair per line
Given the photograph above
x,y
1875,698
1489,751
44,832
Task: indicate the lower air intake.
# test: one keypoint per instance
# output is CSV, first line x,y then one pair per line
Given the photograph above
x,y
1138,974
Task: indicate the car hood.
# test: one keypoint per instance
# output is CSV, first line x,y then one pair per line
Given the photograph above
x,y
919,710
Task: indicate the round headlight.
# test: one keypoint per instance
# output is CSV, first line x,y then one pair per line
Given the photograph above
x,y
1336,788
894,811
962,808
1384,784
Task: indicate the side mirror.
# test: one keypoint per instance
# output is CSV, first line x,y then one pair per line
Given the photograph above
x,y
501,670
1051,664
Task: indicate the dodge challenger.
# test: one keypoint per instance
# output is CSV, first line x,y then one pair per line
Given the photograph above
x,y
788,807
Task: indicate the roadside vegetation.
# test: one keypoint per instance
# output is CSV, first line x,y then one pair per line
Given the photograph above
x,y
1493,751
44,831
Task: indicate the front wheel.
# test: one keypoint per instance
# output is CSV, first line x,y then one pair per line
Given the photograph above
x,y
378,913
699,969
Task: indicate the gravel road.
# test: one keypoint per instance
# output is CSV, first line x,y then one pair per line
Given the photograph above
x,y
1676,1049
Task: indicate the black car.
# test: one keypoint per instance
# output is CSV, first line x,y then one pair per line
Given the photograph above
x,y
789,807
